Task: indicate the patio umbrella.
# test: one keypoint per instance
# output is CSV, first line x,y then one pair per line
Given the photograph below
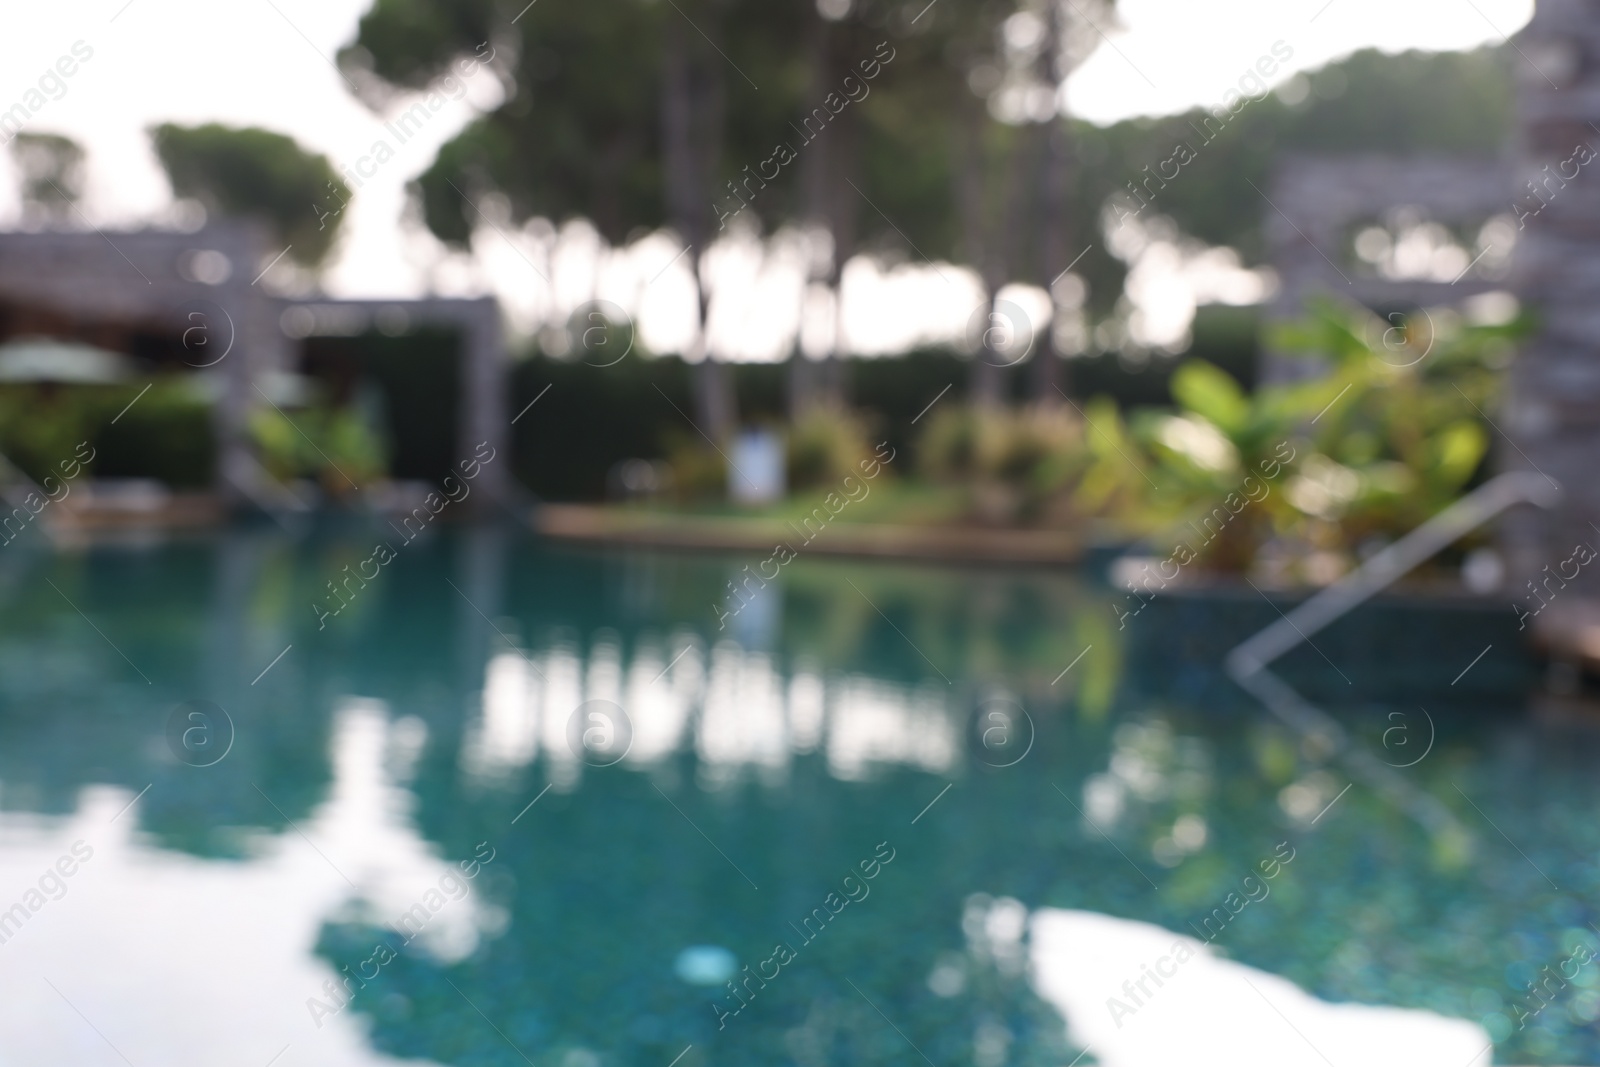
x,y
44,359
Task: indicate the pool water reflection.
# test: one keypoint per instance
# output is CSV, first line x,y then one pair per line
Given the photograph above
x,y
484,814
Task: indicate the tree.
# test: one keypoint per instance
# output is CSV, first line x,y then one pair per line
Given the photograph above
x,y
1069,35
637,114
1018,172
649,136
1414,103
254,173
576,136
51,167
693,110
964,154
844,43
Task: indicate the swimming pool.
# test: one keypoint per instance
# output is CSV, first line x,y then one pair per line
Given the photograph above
x,y
515,804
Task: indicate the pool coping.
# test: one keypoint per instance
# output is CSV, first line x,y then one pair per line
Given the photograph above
x,y
599,524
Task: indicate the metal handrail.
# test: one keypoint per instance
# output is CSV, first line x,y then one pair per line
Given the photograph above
x,y
1466,514
1247,663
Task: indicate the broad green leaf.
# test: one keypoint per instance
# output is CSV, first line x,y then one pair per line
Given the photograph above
x,y
1210,393
1457,450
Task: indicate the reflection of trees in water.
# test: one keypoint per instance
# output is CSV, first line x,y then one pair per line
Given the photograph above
x,y
74,712
614,883
201,618
610,883
604,885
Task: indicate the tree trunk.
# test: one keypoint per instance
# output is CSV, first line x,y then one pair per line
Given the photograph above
x,y
985,382
993,244
828,163
1049,378
692,109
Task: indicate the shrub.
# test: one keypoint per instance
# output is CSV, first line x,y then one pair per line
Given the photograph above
x,y
824,445
336,446
167,435
1017,464
699,472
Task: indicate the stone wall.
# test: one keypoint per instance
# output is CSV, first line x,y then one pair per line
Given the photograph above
x,y
1552,414
1316,200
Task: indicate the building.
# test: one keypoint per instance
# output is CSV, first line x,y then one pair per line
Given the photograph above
x,y
195,300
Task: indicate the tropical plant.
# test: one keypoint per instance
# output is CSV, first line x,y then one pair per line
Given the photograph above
x,y
1305,478
1115,484
337,446
1412,432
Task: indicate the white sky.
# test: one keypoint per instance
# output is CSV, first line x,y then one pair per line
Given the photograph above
x,y
1175,54
267,63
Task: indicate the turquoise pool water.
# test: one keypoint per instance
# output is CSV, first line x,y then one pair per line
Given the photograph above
x,y
540,805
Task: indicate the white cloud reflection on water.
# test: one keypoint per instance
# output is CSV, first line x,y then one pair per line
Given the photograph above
x,y
1213,1012
180,960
